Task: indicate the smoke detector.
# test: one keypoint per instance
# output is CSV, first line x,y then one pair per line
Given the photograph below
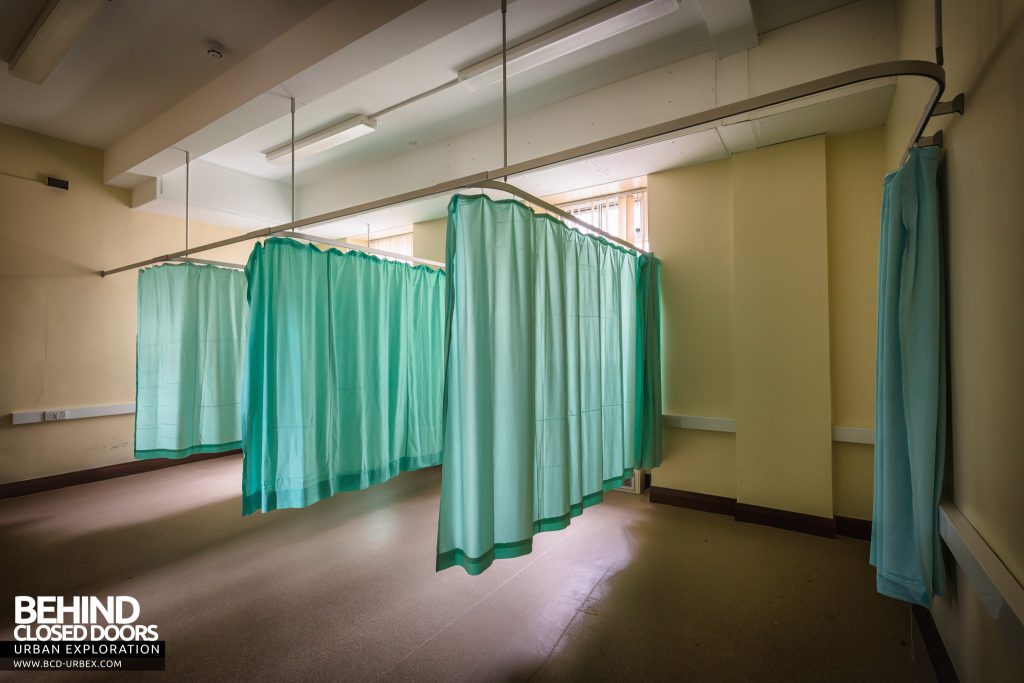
x,y
215,50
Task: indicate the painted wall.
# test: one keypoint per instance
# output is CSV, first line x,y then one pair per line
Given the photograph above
x,y
428,239
984,174
854,171
780,265
690,214
67,336
744,320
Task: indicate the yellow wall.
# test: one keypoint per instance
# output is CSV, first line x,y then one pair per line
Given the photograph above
x,y
700,461
830,189
854,169
67,337
690,210
783,415
428,239
984,174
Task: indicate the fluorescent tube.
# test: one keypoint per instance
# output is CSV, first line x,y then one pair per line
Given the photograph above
x,y
57,29
592,28
327,138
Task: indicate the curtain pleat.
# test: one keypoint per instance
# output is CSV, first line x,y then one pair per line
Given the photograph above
x,y
648,362
344,373
191,331
543,337
910,394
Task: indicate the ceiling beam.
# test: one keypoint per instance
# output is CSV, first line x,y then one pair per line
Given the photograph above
x,y
217,195
731,25
239,97
842,39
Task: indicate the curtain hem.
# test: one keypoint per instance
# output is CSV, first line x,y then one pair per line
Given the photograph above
x,y
270,499
154,453
507,551
903,589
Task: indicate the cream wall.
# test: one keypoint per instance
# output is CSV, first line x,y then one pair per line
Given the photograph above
x,y
690,214
854,171
780,255
983,178
813,203
428,239
67,336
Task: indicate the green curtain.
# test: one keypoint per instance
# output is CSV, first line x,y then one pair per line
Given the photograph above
x,y
544,331
345,373
910,387
188,381
648,362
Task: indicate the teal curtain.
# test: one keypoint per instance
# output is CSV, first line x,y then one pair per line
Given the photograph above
x,y
544,330
188,381
648,362
345,373
910,394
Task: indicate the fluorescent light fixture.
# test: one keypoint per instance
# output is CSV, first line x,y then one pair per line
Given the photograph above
x,y
592,28
55,32
339,134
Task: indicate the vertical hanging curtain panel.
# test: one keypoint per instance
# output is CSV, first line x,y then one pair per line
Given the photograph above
x,y
552,385
345,373
910,393
648,362
191,331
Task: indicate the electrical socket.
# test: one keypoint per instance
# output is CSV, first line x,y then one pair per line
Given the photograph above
x,y
61,414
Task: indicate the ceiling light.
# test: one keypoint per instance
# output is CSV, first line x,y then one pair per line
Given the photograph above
x,y
57,29
315,143
592,28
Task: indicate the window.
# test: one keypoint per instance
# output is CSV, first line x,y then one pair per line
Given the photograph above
x,y
623,215
398,244
395,243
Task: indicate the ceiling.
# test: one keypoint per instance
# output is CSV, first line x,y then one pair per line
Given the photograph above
x,y
133,61
677,36
457,109
134,83
854,108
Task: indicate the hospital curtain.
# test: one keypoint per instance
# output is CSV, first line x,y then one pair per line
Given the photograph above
x,y
345,373
648,362
910,393
191,331
542,377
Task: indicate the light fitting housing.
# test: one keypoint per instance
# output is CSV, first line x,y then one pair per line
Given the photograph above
x,y
338,134
592,28
55,32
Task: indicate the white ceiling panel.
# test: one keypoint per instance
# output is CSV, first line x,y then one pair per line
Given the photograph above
x,y
134,60
457,109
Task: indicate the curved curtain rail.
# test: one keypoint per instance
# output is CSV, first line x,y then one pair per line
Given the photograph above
x,y
918,68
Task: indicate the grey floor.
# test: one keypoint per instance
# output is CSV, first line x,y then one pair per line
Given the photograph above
x,y
346,589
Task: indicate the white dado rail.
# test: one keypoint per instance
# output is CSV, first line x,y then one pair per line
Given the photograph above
x,y
700,422
728,424
61,414
998,589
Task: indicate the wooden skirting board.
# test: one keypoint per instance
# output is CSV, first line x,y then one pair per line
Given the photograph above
x,y
59,481
828,527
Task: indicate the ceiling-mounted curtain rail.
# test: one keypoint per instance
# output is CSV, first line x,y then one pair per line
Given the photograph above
x,y
207,262
344,244
650,134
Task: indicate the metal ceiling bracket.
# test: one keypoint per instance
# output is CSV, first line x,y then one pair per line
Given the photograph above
x,y
953,106
930,140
